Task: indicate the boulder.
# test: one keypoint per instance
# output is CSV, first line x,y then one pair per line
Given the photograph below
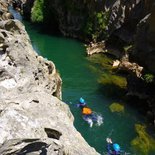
x,y
94,48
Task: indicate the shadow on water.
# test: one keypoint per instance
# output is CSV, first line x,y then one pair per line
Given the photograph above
x,y
112,91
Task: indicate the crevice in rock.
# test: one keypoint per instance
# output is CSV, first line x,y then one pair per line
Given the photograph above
x,y
36,101
34,147
50,68
52,133
4,34
3,48
55,94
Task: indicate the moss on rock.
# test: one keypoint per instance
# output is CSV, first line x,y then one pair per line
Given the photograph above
x,y
116,107
113,80
143,141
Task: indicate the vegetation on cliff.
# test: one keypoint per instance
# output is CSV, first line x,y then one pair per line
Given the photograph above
x,y
82,19
96,26
37,11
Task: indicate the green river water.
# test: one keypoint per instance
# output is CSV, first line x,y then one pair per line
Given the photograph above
x,y
81,76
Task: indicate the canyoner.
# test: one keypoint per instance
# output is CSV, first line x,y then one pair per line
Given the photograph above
x,y
113,148
88,115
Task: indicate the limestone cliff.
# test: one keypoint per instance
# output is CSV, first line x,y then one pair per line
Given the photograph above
x,y
33,119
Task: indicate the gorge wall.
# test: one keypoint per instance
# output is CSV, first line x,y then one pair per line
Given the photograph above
x,y
131,22
33,119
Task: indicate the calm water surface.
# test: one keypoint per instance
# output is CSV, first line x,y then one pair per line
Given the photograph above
x,y
80,80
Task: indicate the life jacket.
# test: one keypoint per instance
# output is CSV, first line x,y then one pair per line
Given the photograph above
x,y
86,111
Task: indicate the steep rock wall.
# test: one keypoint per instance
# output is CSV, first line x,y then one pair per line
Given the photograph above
x,y
33,119
145,41
71,17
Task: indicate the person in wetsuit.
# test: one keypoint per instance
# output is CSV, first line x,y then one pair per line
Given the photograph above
x,y
81,103
115,147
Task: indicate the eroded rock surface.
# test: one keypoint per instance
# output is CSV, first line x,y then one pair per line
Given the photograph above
x,y
33,119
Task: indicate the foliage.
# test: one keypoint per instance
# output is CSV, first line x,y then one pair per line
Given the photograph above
x,y
143,141
97,25
116,107
148,78
37,11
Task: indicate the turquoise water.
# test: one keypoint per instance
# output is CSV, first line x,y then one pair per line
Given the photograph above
x,y
80,79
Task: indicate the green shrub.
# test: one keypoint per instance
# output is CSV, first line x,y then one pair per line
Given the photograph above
x,y
148,78
37,11
96,25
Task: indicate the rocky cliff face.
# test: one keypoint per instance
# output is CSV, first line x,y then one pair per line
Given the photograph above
x,y
145,41
33,119
133,22
71,17
74,18
124,17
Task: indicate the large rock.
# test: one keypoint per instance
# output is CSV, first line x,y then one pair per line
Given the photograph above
x,y
145,41
4,13
94,48
33,119
124,16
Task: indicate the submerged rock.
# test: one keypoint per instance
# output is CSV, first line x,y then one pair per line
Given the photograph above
x,y
116,107
143,141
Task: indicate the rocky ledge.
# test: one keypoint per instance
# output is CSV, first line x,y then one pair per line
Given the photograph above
x,y
33,119
94,48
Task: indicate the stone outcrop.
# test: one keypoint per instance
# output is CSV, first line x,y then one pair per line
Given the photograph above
x,y
130,67
33,119
145,41
133,22
124,17
4,13
94,48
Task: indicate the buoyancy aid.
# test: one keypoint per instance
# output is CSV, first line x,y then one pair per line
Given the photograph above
x,y
86,111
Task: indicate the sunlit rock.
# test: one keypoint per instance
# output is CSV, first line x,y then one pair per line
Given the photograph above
x,y
33,119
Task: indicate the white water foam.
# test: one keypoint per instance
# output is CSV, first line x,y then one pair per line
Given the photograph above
x,y
90,122
98,122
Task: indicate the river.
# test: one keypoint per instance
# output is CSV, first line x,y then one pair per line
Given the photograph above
x,y
80,75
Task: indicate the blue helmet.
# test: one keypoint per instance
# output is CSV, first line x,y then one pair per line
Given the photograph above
x,y
82,100
116,147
